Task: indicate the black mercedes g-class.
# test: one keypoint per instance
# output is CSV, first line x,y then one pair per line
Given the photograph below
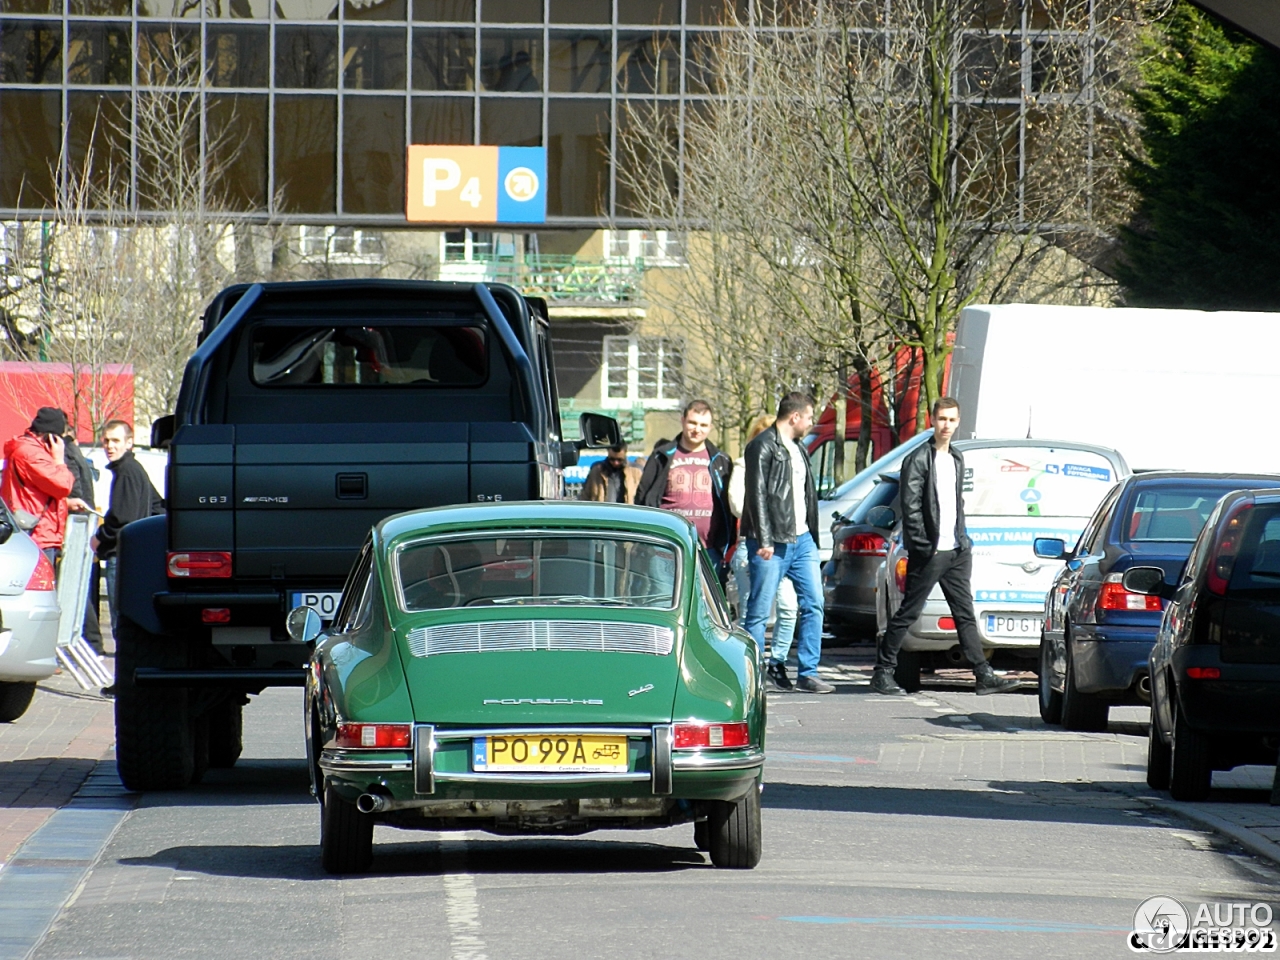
x,y
309,412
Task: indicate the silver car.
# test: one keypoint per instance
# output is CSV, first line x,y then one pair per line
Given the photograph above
x,y
29,608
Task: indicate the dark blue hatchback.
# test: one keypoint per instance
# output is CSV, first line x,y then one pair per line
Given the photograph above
x,y
1097,635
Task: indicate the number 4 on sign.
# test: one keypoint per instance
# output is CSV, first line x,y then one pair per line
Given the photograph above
x,y
471,192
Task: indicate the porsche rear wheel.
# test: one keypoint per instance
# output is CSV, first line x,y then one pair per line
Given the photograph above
x,y
733,831
346,835
1050,699
15,697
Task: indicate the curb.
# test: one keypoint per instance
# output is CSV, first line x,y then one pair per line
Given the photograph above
x,y
1251,840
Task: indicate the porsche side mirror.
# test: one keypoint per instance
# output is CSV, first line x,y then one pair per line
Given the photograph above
x,y
1145,580
303,624
1049,548
882,517
597,430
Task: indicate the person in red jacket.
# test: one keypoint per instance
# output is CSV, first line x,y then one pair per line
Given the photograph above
x,y
37,479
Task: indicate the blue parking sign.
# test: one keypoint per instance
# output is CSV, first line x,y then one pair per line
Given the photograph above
x,y
522,184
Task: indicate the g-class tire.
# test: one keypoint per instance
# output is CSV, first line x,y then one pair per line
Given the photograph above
x,y
701,835
155,742
15,697
733,831
346,835
226,733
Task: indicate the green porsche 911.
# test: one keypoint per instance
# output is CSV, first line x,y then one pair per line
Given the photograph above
x,y
533,668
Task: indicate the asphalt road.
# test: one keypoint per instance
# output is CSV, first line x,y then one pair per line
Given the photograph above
x,y
944,825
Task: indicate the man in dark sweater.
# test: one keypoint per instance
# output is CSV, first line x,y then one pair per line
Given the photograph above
x,y
132,498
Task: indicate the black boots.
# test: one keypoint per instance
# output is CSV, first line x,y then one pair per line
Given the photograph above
x,y
882,682
986,681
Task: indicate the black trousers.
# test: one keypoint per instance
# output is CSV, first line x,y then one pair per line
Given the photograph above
x,y
949,569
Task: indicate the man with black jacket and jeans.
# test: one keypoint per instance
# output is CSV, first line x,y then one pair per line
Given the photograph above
x,y
931,490
132,498
780,524
689,476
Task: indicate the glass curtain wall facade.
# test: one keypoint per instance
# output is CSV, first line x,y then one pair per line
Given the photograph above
x,y
312,102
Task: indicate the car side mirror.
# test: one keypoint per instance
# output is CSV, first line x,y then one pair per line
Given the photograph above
x,y
303,624
162,431
882,517
597,430
1148,581
6,531
1049,548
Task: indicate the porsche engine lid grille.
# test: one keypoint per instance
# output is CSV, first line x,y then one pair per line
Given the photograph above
x,y
512,635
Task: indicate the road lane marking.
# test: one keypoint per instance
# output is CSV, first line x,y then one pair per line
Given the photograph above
x,y
461,906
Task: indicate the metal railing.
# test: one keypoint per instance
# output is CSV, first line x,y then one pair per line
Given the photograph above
x,y
558,278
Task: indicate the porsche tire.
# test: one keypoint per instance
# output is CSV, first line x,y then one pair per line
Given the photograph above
x,y
155,746
1050,699
346,835
226,734
1190,769
907,672
1080,711
15,697
733,831
1159,757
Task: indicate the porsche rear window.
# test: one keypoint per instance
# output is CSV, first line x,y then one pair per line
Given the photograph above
x,y
537,571
388,354
1018,481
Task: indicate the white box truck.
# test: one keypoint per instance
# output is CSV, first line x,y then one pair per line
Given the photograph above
x,y
1169,389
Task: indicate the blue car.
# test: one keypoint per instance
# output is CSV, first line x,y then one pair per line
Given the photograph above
x,y
1097,635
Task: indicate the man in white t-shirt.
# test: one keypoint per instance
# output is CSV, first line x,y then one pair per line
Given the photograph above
x,y
938,553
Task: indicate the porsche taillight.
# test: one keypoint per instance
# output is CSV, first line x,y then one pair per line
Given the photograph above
x,y
693,734
374,736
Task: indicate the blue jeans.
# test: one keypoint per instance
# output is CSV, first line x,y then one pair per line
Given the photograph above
x,y
797,562
786,608
111,594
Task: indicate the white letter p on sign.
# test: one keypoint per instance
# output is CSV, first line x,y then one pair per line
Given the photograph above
x,y
438,174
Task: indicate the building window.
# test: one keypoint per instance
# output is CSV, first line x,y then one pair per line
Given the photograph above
x,y
652,246
642,370
340,245
460,246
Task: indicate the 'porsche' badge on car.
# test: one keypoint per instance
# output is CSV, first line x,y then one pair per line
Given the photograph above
x,y
544,702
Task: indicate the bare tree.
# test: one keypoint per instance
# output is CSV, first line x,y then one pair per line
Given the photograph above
x,y
888,164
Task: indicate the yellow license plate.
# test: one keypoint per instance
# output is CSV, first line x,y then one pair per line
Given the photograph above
x,y
550,753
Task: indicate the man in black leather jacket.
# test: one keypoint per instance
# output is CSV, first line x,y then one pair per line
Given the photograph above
x,y
939,553
780,524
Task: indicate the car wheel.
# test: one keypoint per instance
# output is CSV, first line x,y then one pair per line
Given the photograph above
x,y
733,831
907,672
226,734
199,747
155,746
701,835
1190,772
346,835
15,697
1159,757
1050,699
1080,711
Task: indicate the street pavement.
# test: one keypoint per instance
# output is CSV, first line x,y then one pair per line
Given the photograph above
x,y
942,824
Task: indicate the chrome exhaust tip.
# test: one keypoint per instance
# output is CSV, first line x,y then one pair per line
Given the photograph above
x,y
1144,688
371,803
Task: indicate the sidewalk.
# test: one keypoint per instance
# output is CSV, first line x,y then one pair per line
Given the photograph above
x,y
46,755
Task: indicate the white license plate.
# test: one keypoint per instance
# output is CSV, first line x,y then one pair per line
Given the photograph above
x,y
324,601
1014,624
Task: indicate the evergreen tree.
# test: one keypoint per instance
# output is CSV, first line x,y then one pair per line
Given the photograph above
x,y
1206,233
